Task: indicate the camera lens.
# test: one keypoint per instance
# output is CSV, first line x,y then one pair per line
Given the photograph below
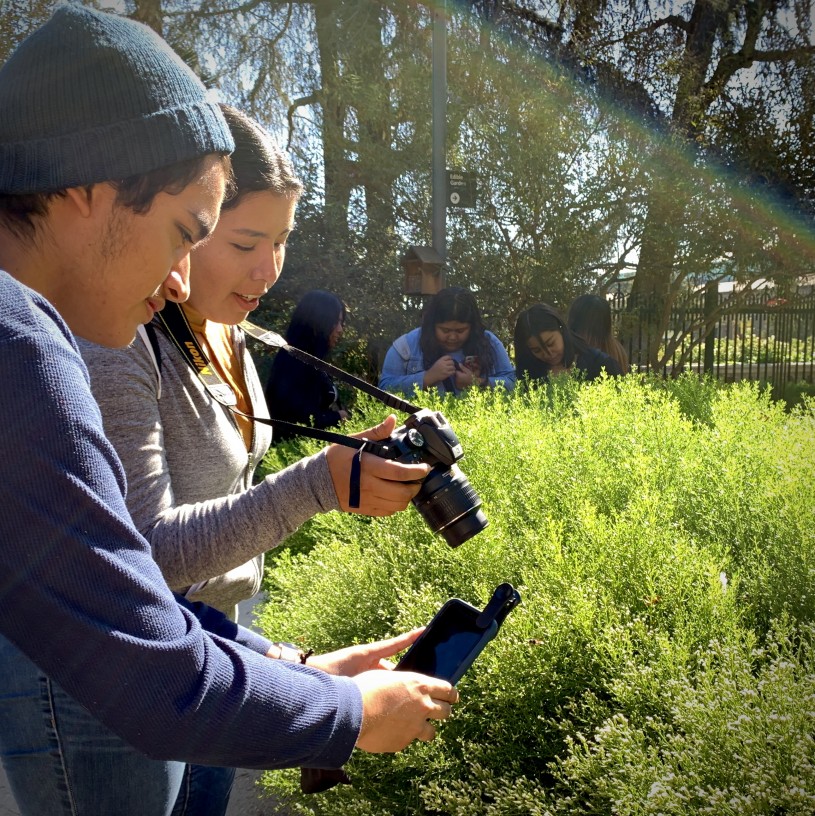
x,y
450,506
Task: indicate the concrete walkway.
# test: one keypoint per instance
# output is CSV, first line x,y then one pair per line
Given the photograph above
x,y
245,799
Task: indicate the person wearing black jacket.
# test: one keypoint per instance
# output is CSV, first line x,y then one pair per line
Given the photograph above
x,y
545,345
295,391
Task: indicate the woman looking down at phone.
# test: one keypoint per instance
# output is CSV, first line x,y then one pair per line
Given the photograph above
x,y
451,351
544,345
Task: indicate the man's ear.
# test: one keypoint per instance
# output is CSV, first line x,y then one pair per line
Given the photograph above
x,y
81,198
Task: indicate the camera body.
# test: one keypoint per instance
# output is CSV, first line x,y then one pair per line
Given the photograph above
x,y
446,500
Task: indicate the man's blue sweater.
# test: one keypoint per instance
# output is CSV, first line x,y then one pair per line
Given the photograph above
x,y
82,597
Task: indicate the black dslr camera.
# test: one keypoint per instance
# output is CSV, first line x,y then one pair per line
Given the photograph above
x,y
447,501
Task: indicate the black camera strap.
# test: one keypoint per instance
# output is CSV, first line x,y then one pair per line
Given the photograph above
x,y
178,329
274,340
180,332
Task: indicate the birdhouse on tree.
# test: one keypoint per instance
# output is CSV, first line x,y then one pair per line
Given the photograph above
x,y
423,271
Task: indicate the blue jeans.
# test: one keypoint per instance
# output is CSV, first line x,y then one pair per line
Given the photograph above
x,y
61,760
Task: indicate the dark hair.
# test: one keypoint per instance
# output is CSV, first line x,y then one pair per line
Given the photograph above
x,y
590,317
313,320
258,165
458,304
137,193
540,317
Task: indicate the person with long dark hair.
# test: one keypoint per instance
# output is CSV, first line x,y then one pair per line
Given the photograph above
x,y
590,317
295,391
451,351
544,345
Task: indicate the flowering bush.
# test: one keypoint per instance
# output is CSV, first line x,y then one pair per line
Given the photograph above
x,y
661,535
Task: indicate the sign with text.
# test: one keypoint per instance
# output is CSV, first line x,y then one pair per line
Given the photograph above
x,y
462,189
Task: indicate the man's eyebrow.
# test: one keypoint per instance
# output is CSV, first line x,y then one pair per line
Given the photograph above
x,y
205,225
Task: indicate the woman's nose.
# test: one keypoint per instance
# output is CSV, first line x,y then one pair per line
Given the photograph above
x,y
269,266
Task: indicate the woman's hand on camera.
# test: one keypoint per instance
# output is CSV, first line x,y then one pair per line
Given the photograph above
x,y
397,707
386,486
354,660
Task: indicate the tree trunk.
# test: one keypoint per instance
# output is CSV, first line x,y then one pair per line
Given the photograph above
x,y
652,294
337,184
149,12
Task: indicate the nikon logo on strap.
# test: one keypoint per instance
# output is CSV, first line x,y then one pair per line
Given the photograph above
x,y
182,335
197,360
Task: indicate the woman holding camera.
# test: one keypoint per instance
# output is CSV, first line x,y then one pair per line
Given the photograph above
x,y
451,351
189,458
544,345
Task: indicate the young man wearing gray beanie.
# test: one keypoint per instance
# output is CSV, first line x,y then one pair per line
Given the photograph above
x,y
112,164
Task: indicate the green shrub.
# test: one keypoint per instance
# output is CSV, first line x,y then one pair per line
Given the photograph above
x,y
796,394
738,739
652,528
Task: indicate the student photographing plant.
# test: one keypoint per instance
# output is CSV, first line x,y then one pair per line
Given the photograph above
x,y
451,351
544,345
207,525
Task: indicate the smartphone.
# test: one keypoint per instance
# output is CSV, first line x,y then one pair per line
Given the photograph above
x,y
457,635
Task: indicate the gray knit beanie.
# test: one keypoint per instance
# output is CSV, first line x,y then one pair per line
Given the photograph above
x,y
92,97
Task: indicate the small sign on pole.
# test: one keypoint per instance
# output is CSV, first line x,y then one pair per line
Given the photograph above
x,y
462,189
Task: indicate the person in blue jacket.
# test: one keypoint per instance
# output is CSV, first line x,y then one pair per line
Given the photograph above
x,y
451,351
104,188
295,391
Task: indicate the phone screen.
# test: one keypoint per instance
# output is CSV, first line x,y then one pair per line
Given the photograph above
x,y
451,639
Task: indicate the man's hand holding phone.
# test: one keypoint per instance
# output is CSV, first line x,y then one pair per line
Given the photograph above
x,y
397,708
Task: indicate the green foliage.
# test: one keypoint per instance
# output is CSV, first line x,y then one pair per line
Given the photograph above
x,y
655,530
797,394
737,739
756,348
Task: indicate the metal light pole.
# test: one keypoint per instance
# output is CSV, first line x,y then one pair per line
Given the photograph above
x,y
440,128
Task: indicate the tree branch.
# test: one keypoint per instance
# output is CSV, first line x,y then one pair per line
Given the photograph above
x,y
671,21
311,99
249,5
732,63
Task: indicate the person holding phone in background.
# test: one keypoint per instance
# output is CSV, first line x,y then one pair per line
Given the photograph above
x,y
451,351
544,345
104,189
